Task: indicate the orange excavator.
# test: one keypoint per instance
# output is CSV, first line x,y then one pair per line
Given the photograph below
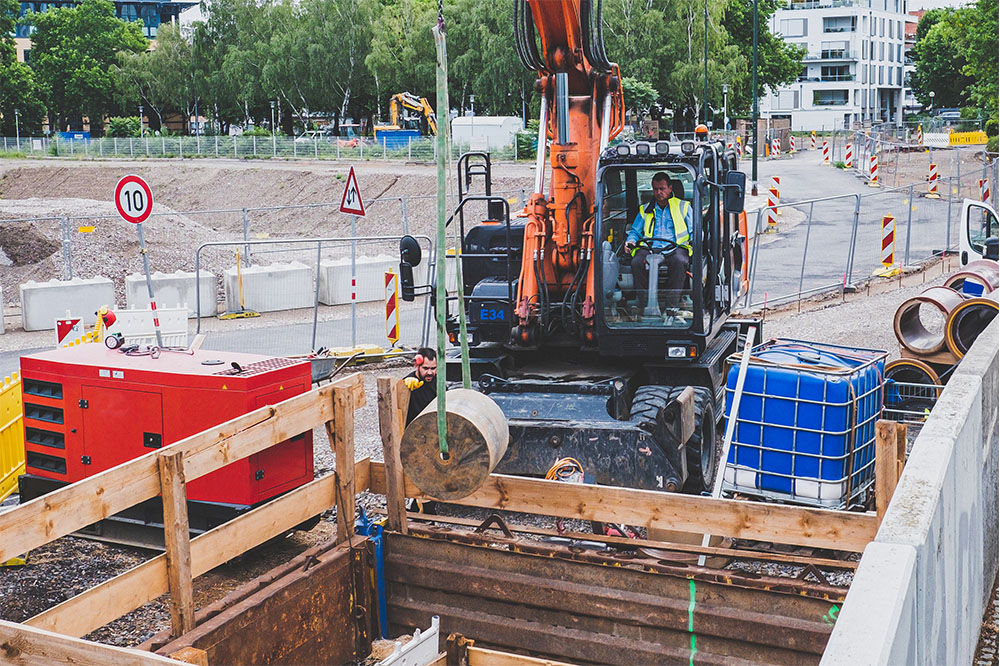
x,y
587,359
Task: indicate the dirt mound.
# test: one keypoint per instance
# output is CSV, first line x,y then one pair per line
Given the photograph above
x,y
22,245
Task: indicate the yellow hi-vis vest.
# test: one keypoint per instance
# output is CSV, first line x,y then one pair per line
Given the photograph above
x,y
677,214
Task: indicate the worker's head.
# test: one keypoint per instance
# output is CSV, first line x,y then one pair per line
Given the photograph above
x,y
425,363
701,132
662,188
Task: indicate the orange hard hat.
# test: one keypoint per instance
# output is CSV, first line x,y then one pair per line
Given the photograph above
x,y
701,129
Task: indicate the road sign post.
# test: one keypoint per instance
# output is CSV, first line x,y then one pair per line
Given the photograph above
x,y
352,204
134,201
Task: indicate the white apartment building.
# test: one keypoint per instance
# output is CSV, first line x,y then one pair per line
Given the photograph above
x,y
853,68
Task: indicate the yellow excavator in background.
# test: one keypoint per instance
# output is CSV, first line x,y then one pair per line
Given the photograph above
x,y
409,116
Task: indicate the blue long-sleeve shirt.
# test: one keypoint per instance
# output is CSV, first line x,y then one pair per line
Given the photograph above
x,y
663,226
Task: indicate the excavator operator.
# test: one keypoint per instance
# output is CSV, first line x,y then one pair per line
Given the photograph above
x,y
664,226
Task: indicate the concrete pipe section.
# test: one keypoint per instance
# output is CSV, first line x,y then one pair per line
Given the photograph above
x,y
912,332
981,272
968,320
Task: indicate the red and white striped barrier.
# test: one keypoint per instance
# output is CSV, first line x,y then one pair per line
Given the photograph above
x,y
826,152
888,254
791,143
776,188
772,210
920,134
849,156
984,190
812,141
873,171
391,307
932,179
775,147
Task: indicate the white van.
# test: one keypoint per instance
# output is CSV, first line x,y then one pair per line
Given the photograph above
x,y
979,232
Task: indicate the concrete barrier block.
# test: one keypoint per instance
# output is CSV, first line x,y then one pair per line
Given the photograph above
x,y
271,288
136,326
44,302
173,289
875,623
335,278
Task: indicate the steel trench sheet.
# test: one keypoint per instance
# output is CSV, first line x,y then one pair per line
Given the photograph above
x,y
584,612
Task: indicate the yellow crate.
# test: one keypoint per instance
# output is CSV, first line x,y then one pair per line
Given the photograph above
x,y
11,435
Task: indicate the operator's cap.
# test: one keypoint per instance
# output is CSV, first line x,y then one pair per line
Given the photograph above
x,y
701,132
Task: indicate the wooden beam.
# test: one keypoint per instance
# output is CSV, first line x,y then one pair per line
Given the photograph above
x,y
177,539
391,417
90,610
802,526
340,430
886,465
68,509
900,448
191,655
28,646
487,657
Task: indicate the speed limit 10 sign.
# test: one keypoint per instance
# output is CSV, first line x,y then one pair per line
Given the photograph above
x,y
133,199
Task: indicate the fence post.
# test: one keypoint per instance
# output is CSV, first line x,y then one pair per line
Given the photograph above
x,y
246,236
147,146
295,148
406,220
947,226
67,247
854,238
384,154
409,151
255,145
909,221
116,146
753,258
319,259
100,146
180,146
805,252
163,145
216,145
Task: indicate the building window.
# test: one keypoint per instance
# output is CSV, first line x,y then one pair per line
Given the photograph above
x,y
881,50
829,97
840,23
793,28
864,74
899,75
890,52
892,29
881,28
836,73
881,73
787,99
835,49
899,53
855,97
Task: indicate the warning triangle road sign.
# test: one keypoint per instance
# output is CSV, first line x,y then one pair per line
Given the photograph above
x,y
351,202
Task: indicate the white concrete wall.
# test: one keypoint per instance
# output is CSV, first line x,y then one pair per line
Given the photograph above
x,y
944,515
173,289
271,288
44,302
335,278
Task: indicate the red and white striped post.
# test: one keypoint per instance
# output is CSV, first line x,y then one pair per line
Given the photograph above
x,y
888,255
984,190
873,170
772,210
391,307
812,141
791,143
932,179
849,156
920,134
776,188
775,147
826,151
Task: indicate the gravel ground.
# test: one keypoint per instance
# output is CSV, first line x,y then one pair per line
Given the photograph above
x,y
988,650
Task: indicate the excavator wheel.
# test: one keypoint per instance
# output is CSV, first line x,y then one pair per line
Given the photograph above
x,y
701,447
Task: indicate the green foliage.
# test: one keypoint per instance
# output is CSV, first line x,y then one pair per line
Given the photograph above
x,y
639,95
74,50
18,88
123,127
978,38
992,144
840,164
939,61
256,131
991,127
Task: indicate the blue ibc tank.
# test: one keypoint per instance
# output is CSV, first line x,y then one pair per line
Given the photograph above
x,y
805,431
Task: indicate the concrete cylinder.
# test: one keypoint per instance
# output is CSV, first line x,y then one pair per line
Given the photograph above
x,y
913,333
477,440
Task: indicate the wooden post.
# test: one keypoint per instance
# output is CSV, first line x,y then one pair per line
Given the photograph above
x,y
177,540
191,655
341,433
900,449
393,401
886,473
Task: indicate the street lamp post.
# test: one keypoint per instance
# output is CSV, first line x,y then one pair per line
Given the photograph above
x,y
932,102
704,102
141,128
274,138
17,127
725,105
756,105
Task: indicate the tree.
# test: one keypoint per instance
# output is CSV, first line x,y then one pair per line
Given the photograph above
x,y
978,39
18,89
640,96
939,60
402,54
73,55
162,79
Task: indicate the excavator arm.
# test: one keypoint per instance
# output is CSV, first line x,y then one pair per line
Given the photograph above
x,y
582,109
406,100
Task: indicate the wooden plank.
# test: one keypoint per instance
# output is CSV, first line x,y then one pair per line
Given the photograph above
x,y
341,433
886,467
28,646
177,539
68,509
191,655
801,526
108,601
900,449
487,657
390,427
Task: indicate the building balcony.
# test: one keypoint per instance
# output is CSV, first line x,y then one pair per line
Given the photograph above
x,y
830,78
833,54
824,4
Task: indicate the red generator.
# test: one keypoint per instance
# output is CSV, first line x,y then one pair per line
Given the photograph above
x,y
88,408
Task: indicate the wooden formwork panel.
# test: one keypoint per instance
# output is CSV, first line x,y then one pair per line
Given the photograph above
x,y
317,609
591,613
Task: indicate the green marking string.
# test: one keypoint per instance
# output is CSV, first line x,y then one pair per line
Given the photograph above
x,y
442,205
691,605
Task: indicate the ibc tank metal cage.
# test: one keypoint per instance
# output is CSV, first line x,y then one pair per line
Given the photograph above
x,y
805,432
